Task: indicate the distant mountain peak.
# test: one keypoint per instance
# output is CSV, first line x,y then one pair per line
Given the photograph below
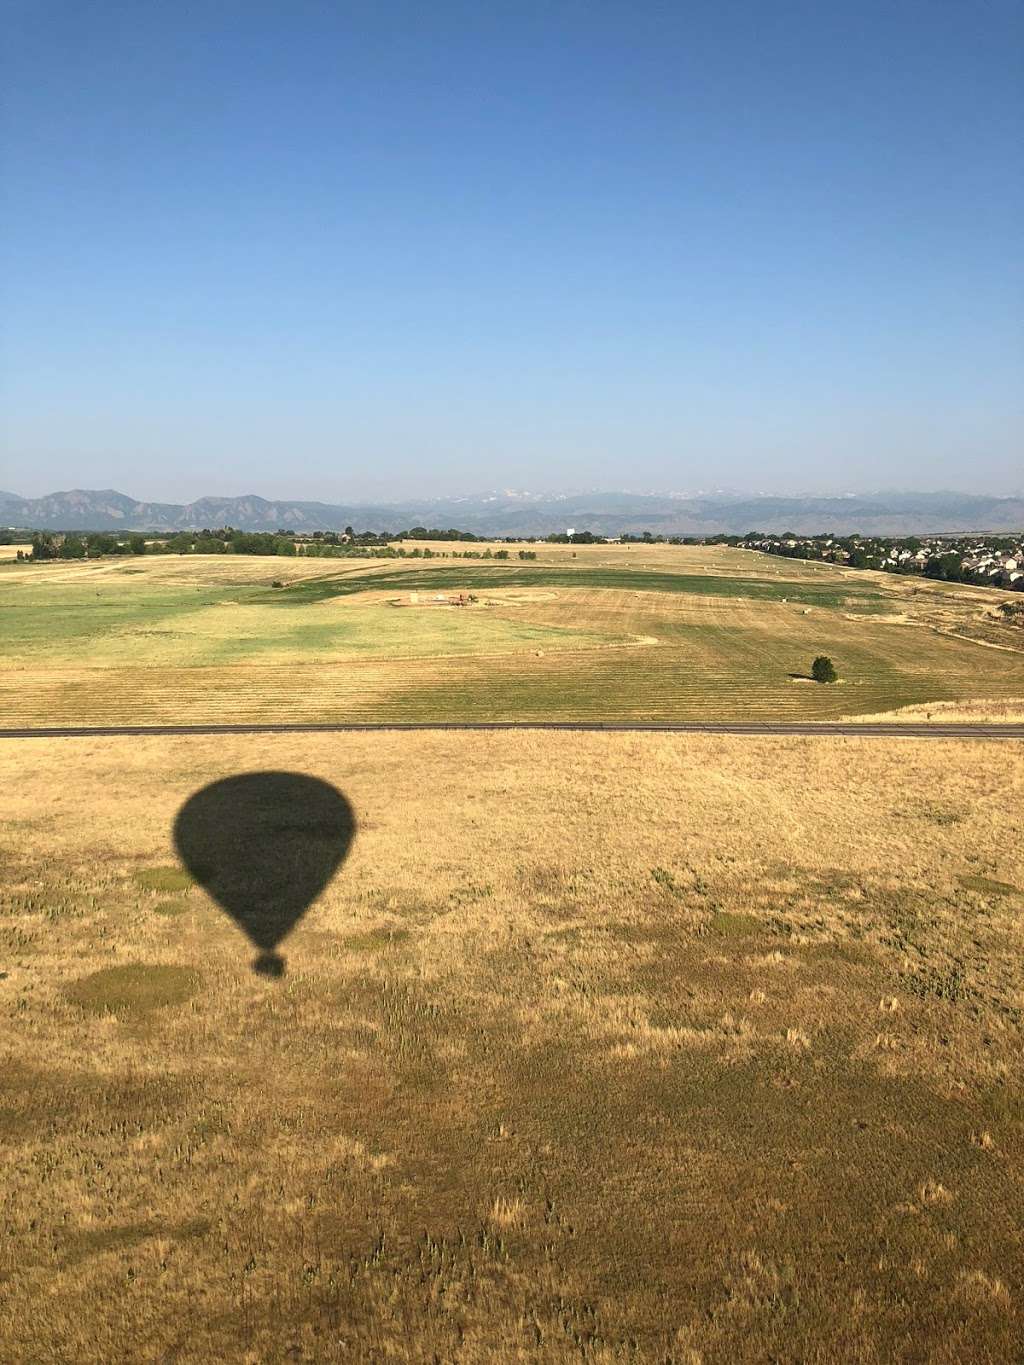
x,y
513,513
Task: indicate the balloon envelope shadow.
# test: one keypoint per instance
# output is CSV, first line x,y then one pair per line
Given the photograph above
x,y
264,845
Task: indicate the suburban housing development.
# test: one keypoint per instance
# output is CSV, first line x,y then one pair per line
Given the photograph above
x,y
987,561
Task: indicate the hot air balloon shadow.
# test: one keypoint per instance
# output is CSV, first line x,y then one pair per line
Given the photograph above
x,y
264,845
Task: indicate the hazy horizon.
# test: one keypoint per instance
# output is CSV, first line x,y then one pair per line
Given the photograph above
x,y
476,494
378,253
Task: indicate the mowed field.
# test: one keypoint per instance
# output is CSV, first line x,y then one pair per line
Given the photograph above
x,y
598,1048
595,633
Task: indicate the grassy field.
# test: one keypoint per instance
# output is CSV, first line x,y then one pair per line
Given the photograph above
x,y
596,1047
602,633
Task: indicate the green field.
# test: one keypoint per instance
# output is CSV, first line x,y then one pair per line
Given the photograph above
x,y
443,578
660,633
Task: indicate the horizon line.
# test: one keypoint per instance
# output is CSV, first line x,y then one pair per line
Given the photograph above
x,y
727,494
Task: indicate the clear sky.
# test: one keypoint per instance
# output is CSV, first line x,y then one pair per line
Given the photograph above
x,y
384,249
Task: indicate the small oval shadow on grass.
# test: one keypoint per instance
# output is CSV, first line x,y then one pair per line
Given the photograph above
x,y
986,886
81,1245
135,988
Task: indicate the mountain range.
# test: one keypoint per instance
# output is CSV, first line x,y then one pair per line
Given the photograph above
x,y
510,514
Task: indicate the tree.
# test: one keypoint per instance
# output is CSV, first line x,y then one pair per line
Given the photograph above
x,y
44,546
206,544
823,670
946,566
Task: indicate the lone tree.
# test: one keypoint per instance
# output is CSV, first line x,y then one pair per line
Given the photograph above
x,y
823,670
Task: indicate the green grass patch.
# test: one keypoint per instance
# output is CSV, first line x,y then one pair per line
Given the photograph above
x,y
375,940
69,619
382,632
460,575
163,879
134,989
726,924
171,909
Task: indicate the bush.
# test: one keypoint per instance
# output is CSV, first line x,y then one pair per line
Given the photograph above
x,y
823,669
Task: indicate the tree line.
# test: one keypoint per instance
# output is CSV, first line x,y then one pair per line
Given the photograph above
x,y
49,545
88,545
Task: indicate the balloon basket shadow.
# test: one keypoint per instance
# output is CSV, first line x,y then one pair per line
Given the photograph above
x,y
269,964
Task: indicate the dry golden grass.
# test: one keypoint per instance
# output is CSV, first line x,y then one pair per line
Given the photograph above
x,y
983,711
598,1047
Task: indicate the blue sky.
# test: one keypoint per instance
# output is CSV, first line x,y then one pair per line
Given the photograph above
x,y
387,249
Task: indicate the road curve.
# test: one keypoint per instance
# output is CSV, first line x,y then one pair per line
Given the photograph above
x,y
867,730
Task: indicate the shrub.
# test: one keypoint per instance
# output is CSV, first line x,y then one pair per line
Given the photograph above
x,y
823,669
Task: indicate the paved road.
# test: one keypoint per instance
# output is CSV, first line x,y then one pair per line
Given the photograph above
x,y
864,731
